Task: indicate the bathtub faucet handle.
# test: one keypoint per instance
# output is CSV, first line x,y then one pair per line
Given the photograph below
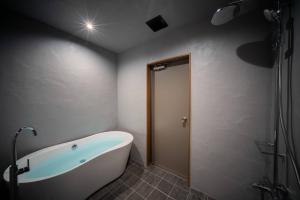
x,y
24,169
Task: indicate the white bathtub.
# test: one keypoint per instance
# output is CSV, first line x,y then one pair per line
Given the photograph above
x,y
61,172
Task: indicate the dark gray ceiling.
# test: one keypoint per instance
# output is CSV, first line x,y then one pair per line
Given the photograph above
x,y
120,23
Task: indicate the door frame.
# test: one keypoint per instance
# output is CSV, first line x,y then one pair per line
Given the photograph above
x,y
149,107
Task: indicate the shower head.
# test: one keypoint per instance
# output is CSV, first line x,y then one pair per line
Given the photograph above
x,y
227,13
26,130
271,15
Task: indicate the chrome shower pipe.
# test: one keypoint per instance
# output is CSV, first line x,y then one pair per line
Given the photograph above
x,y
276,124
279,119
277,100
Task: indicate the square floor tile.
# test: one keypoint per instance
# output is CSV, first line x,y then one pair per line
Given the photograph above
x,y
183,184
170,178
164,186
144,189
152,179
158,171
150,167
122,192
178,193
153,183
135,196
157,195
135,169
130,181
144,174
136,184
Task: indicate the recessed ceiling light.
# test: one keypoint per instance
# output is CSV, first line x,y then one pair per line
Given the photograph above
x,y
89,26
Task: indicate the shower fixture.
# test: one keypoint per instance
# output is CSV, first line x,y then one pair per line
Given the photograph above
x,y
272,15
227,13
283,119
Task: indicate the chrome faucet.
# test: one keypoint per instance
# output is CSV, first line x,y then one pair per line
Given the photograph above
x,y
14,171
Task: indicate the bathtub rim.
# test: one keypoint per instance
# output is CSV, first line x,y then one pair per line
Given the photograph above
x,y
127,141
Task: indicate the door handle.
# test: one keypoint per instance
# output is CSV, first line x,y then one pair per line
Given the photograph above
x,y
184,121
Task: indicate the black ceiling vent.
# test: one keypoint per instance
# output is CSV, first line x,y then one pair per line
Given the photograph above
x,y
157,23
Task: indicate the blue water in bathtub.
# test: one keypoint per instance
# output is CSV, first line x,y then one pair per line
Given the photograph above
x,y
67,159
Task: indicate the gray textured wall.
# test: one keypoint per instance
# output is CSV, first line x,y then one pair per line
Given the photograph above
x,y
231,101
63,87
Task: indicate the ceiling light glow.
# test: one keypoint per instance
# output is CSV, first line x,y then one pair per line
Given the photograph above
x,y
89,26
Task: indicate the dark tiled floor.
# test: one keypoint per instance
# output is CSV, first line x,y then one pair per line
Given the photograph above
x,y
152,183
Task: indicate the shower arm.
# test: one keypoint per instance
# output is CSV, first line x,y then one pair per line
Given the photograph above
x,y
235,3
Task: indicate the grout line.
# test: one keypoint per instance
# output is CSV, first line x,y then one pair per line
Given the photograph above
x,y
149,194
133,190
168,172
163,178
173,185
171,190
155,187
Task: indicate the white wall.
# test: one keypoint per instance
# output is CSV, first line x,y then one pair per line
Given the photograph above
x,y
231,101
63,87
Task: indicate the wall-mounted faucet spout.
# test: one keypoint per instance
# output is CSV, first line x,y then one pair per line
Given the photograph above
x,y
14,171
